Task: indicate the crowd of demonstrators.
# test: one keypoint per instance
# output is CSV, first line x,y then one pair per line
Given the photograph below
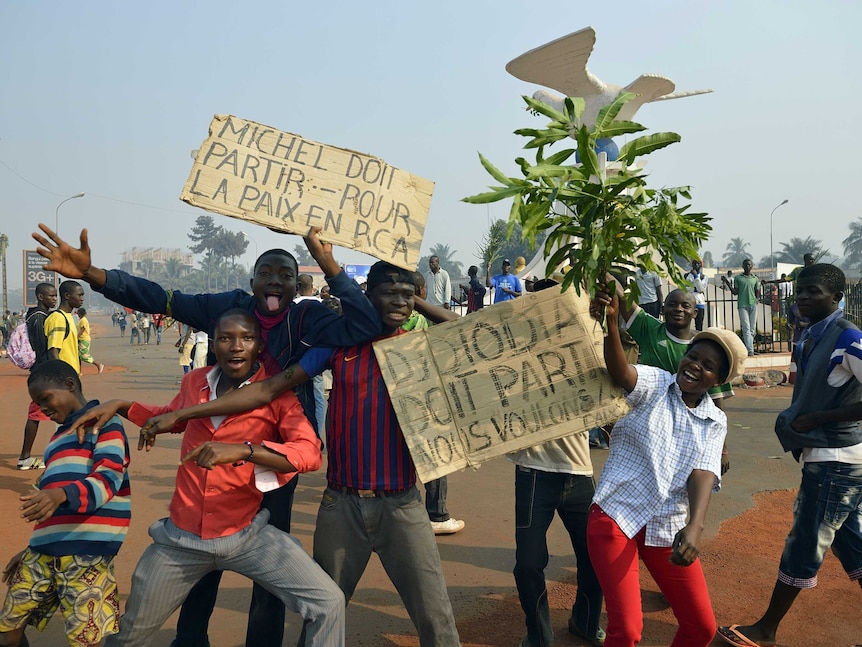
x,y
288,331
666,456
81,511
377,507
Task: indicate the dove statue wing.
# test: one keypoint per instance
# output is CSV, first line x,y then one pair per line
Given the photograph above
x,y
561,65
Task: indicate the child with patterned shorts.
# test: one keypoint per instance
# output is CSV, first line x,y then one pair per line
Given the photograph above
x,y
82,511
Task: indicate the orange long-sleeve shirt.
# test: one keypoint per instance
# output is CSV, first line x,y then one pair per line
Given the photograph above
x,y
219,502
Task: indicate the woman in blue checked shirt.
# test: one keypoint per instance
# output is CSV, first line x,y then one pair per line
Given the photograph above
x,y
652,496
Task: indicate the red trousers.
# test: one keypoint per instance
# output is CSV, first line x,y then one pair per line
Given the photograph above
x,y
615,560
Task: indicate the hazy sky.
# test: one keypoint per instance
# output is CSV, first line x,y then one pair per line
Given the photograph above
x,y
109,98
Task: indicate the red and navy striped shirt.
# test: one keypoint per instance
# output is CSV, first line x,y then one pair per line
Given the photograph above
x,y
365,446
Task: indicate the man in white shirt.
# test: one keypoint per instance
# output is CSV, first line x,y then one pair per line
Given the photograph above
x,y
438,284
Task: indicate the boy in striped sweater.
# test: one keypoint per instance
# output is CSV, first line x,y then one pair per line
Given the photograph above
x,y
82,510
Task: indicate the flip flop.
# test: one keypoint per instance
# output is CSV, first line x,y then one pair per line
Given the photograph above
x,y
733,636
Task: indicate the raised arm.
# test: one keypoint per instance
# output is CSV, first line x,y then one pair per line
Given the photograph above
x,y
68,261
622,373
359,321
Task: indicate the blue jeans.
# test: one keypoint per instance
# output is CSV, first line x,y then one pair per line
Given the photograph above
x,y
748,323
827,512
538,495
266,612
435,499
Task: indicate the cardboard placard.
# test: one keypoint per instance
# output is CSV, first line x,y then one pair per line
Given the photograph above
x,y
507,377
279,180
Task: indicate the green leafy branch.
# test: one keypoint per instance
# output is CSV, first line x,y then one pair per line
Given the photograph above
x,y
599,218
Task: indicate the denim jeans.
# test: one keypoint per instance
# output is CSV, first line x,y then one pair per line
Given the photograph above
x,y
435,499
827,512
538,495
266,612
748,323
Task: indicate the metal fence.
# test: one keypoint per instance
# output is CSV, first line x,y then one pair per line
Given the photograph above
x,y
772,334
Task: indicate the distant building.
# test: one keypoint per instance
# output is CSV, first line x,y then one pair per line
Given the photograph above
x,y
143,260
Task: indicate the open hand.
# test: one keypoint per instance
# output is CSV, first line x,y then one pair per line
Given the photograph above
x,y
62,257
321,252
95,417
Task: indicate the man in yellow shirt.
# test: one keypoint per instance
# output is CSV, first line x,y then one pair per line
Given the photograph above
x,y
84,354
60,328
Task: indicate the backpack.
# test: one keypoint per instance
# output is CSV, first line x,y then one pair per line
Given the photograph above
x,y
19,350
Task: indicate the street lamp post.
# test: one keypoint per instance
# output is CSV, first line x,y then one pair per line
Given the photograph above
x,y
57,225
771,254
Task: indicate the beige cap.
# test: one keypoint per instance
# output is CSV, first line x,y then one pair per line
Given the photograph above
x,y
732,346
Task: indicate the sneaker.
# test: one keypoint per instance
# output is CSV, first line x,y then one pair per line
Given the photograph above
x,y
598,639
31,463
101,368
449,527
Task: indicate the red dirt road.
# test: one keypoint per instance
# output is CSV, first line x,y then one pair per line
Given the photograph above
x,y
740,557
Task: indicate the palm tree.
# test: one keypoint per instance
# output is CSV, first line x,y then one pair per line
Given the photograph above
x,y
794,250
735,253
447,260
853,245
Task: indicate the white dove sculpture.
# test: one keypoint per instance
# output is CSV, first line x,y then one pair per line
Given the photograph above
x,y
562,66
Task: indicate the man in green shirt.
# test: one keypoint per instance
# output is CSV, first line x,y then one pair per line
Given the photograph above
x,y
744,288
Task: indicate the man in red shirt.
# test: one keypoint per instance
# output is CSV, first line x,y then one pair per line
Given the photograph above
x,y
215,517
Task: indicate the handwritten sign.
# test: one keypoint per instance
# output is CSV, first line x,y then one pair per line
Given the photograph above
x,y
279,180
507,377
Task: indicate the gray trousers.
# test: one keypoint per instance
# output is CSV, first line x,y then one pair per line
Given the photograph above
x,y
177,559
350,527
